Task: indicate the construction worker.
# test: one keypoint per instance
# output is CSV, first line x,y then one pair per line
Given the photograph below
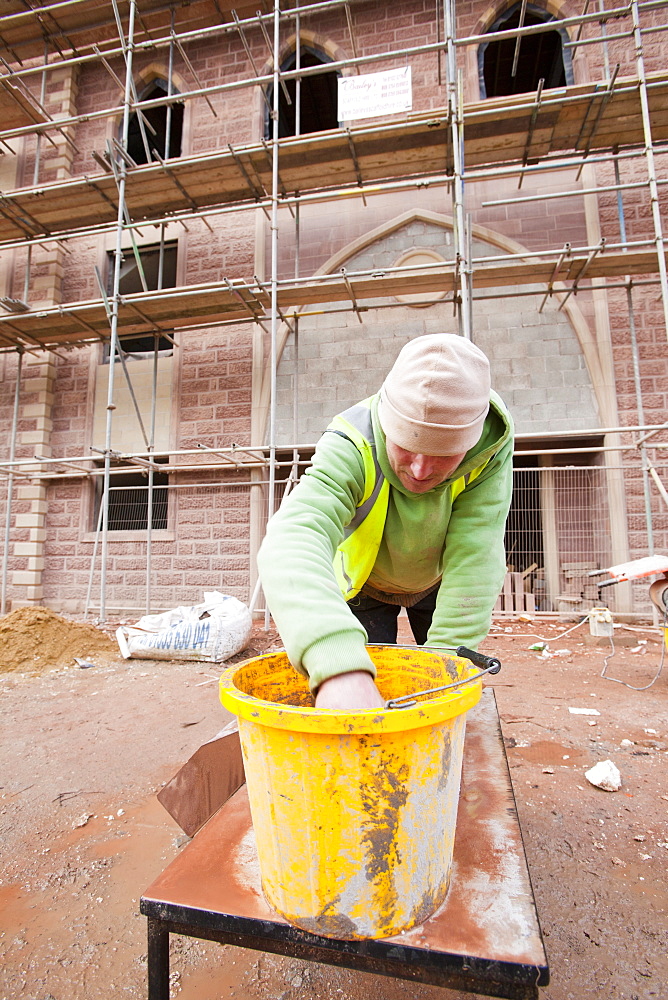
x,y
404,506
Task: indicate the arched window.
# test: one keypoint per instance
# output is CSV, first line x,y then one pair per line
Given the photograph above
x,y
541,57
317,98
165,131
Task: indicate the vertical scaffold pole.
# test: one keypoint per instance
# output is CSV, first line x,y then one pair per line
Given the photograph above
x,y
455,112
649,158
274,272
151,449
10,482
114,303
294,473
635,355
35,172
154,396
170,90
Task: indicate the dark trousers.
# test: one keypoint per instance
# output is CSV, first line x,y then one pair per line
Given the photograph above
x,y
380,619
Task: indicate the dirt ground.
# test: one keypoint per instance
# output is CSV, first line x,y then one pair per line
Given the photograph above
x,y
85,748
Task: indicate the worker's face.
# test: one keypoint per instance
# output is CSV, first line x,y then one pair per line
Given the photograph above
x,y
420,473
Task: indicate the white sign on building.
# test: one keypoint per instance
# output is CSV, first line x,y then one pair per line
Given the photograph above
x,y
375,94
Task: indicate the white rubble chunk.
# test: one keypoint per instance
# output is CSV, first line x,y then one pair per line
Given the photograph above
x,y
605,775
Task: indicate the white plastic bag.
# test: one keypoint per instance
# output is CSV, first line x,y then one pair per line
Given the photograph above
x,y
213,631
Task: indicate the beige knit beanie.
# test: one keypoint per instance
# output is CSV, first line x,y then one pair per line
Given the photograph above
x,y
436,397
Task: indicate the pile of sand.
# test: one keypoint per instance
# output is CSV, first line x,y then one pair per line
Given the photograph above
x,y
36,639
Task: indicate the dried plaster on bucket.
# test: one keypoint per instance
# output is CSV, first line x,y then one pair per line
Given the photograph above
x,y
354,813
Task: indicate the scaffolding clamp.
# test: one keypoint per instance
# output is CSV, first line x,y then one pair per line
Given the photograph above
x,y
219,454
256,193
252,61
115,455
143,462
254,306
284,192
530,131
573,290
605,97
353,156
553,277
351,293
191,201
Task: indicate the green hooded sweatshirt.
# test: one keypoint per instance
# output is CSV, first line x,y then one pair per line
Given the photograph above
x,y
426,539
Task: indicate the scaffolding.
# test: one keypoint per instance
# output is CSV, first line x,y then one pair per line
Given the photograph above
x,y
618,121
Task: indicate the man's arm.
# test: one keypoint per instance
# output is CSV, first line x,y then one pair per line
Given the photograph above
x,y
321,635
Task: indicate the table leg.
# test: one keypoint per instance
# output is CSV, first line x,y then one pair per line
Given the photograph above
x,y
158,961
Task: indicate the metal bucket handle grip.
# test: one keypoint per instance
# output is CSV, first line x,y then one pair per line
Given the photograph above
x,y
490,665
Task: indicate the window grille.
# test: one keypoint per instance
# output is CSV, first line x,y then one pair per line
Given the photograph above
x,y
129,501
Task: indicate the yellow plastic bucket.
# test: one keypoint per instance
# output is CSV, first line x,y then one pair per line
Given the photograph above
x,y
354,812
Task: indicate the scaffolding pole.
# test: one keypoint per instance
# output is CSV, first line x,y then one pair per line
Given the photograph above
x,y
649,154
637,381
274,270
456,121
10,481
294,472
114,305
220,27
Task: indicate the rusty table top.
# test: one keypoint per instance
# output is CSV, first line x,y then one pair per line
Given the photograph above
x,y
484,938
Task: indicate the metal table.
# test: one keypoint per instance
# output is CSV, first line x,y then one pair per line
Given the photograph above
x,y
484,939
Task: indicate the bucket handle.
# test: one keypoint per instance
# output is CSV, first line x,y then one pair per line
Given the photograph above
x,y
489,664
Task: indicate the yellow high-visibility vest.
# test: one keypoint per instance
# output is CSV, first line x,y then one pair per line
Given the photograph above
x,y
355,557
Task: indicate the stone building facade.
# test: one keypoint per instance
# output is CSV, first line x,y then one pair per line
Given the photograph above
x,y
565,366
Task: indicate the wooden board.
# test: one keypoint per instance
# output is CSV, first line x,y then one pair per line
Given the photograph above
x,y
420,147
174,308
75,25
16,109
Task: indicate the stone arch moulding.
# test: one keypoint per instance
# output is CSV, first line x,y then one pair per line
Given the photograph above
x,y
142,79
262,376
309,39
554,8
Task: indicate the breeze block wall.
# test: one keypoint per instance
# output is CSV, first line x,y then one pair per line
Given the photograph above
x,y
537,363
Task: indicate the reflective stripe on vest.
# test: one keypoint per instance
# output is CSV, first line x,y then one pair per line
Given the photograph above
x,y
357,552
356,555
460,484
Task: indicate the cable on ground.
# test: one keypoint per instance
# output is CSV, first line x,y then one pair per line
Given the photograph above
x,y
616,680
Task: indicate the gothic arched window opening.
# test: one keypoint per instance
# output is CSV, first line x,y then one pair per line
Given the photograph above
x,y
316,103
164,131
541,57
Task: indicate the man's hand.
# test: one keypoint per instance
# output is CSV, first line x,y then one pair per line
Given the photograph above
x,y
355,692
